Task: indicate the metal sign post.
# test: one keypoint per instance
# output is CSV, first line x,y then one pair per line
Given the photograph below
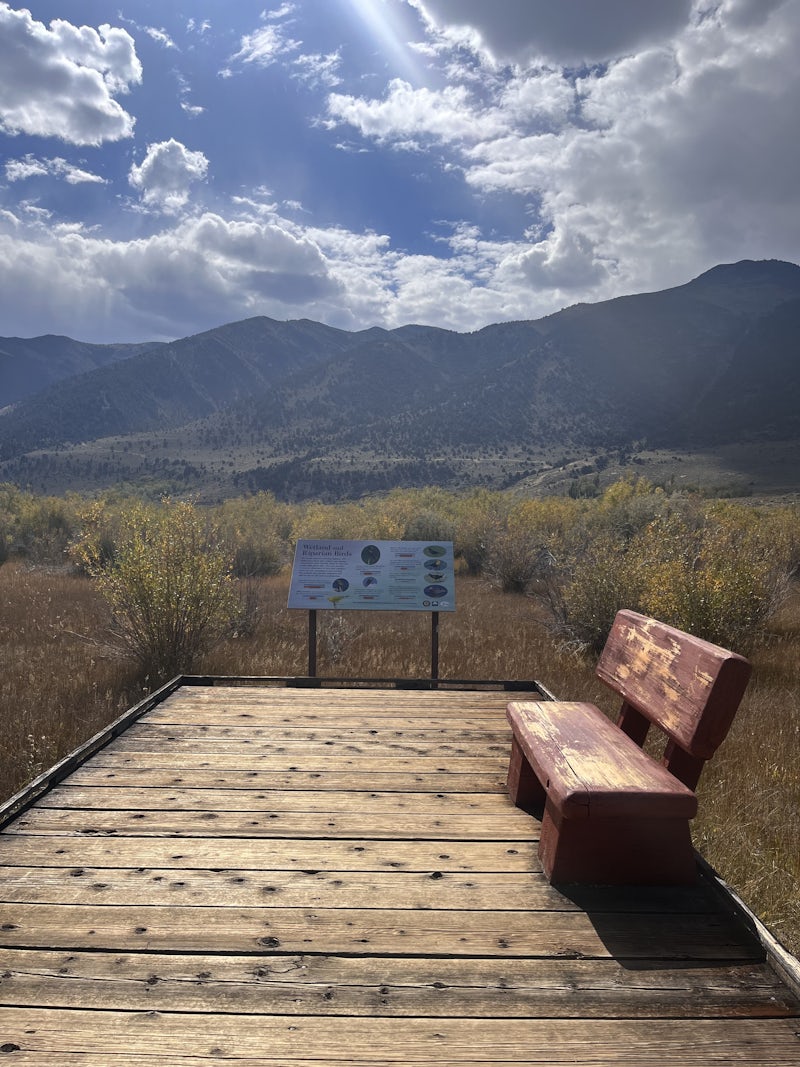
x,y
435,646
312,643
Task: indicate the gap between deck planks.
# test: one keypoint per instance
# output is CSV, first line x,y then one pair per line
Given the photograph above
x,y
248,891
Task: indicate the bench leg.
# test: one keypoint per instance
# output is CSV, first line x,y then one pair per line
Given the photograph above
x,y
524,787
616,851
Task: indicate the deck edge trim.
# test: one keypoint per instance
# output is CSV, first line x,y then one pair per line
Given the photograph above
x,y
780,959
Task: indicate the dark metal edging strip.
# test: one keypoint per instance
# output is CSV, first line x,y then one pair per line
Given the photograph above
x,y
308,682
30,793
785,965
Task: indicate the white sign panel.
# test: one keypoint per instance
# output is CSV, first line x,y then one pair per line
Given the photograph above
x,y
381,575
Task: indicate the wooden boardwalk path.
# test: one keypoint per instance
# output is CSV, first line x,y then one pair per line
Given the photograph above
x,y
276,876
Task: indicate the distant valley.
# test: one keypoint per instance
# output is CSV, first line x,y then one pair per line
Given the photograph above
x,y
700,384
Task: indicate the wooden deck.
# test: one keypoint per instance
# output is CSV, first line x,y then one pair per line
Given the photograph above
x,y
276,876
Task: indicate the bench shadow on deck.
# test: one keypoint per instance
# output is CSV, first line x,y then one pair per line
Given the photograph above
x,y
272,875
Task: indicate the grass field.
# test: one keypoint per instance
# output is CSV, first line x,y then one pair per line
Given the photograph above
x,y
59,685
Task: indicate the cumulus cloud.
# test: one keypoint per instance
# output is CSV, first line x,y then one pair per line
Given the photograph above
x,y
30,167
209,269
684,155
407,114
569,32
60,81
166,174
281,12
17,170
638,173
195,274
271,43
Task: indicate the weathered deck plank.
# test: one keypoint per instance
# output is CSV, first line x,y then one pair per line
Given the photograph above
x,y
271,824
370,985
282,1039
255,746
248,760
270,855
292,877
156,798
141,772
358,729
310,888
395,932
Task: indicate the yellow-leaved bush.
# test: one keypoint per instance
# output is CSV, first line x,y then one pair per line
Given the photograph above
x,y
168,583
716,570
720,580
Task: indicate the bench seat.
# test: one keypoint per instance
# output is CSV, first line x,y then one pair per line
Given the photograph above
x,y
590,768
610,813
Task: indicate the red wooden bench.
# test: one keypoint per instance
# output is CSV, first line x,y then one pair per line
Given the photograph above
x,y
612,813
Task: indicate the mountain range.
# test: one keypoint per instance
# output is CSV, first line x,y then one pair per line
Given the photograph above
x,y
308,410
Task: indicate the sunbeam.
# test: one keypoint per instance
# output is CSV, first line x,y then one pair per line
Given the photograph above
x,y
385,21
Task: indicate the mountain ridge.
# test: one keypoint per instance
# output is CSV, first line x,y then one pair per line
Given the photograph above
x,y
267,404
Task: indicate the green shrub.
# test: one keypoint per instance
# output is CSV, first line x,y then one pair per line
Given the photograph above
x,y
513,560
258,532
718,571
607,575
38,528
527,538
722,580
168,583
479,518
257,559
429,526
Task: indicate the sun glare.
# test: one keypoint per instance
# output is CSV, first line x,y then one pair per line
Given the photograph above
x,y
384,23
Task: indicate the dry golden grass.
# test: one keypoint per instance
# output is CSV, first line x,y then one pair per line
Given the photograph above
x,y
749,821
491,635
59,688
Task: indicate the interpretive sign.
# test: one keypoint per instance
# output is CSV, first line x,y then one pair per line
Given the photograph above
x,y
376,575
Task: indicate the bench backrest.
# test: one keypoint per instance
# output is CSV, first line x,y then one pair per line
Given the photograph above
x,y
687,687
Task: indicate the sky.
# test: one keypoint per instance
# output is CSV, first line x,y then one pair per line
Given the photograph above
x,y
169,167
